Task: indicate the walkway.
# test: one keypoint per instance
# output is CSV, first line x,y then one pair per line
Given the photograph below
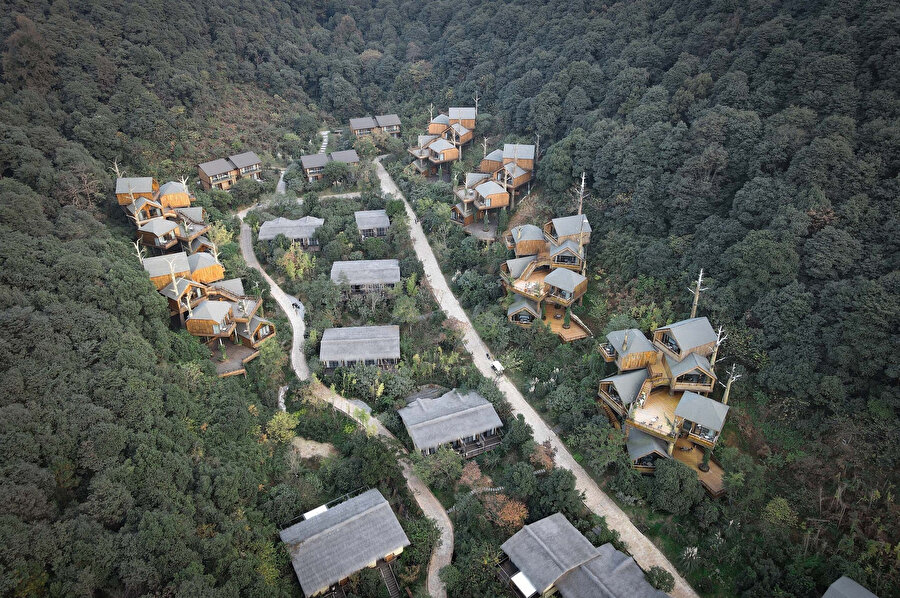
x,y
324,145
644,551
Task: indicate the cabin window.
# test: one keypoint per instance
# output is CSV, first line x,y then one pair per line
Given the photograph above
x,y
216,329
265,330
670,343
566,258
524,317
703,432
695,378
370,362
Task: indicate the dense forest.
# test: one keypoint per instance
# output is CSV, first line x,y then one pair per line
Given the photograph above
x,y
759,141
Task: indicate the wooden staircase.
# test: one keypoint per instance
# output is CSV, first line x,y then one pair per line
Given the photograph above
x,y
387,574
610,414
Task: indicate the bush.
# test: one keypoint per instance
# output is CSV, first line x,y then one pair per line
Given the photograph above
x,y
661,579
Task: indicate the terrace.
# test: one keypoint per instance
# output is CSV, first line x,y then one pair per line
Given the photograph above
x,y
656,413
236,357
692,456
555,319
533,285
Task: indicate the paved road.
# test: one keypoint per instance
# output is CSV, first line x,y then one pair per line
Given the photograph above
x,y
281,187
644,551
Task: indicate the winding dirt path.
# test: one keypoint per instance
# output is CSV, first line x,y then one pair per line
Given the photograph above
x,y
644,551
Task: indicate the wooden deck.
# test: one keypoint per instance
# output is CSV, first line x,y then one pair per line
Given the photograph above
x,y
574,332
657,412
712,479
236,357
533,286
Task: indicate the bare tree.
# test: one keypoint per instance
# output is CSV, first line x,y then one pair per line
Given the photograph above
x,y
698,288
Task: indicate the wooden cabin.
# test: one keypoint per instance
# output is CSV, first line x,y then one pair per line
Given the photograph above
x,y
223,173
130,189
363,127
363,345
438,125
677,340
183,295
211,320
162,269
492,162
464,422
314,166
522,155
143,210
441,151
630,349
569,228
458,134
523,311
191,224
490,195
526,239
173,195
621,390
564,287
701,418
463,214
303,230
366,276
158,233
567,255
205,268
464,116
372,223
253,332
389,124
644,450
691,373
199,244
513,176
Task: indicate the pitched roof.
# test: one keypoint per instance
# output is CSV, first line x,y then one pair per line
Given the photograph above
x,y
346,156
426,139
200,260
527,232
517,266
687,364
140,202
461,113
366,272
178,289
610,574
235,286
199,241
547,549
387,120
518,150
433,422
569,245
460,130
366,219
473,178
139,184
628,385
564,279
441,145
641,444
701,410
364,122
691,333
197,214
342,540
637,342
246,329
214,167
158,226
244,159
571,225
520,303
441,119
495,156
313,160
358,343
490,188
847,588
159,265
211,310
302,228
514,170
172,187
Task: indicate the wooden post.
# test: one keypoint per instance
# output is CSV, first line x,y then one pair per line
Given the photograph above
x,y
171,264
484,145
581,226
720,338
696,291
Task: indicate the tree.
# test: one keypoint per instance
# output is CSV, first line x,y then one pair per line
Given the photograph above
x,y
506,513
676,488
296,263
336,172
441,469
556,493
599,444
661,579
281,427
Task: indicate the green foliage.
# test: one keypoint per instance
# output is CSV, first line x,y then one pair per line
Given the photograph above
x,y
281,427
675,487
441,470
661,579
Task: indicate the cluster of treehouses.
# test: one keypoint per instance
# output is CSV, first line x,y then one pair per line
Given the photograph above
x,y
184,266
547,276
661,396
223,173
443,142
502,176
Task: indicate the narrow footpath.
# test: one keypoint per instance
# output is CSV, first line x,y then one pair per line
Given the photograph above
x,y
644,551
430,505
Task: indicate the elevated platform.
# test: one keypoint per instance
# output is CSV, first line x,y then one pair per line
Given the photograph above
x,y
712,480
236,357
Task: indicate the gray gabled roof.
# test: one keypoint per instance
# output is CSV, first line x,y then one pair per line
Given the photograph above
x,y
571,225
342,540
246,329
426,139
692,361
453,416
637,342
358,343
691,333
495,156
517,266
610,574
441,119
701,410
564,279
520,303
346,156
461,113
847,588
171,187
518,150
245,159
200,260
313,161
514,170
440,145
640,444
547,549
490,188
196,213
365,122
366,272
158,226
235,286
201,240
139,203
527,232
211,310
218,166
181,285
628,385
139,184
473,178
387,120
159,265
368,219
303,228
567,245
459,129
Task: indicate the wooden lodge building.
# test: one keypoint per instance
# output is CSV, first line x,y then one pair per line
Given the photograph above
x,y
313,165
442,144
389,124
551,557
363,345
334,541
366,276
656,396
302,230
223,173
466,423
372,223
547,277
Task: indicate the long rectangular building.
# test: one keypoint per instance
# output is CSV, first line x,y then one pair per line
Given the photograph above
x,y
365,276
364,345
